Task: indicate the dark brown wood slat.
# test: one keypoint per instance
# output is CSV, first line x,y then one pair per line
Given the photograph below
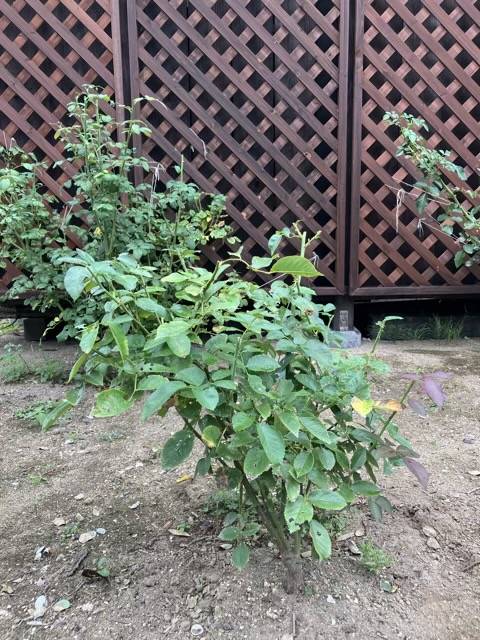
x,y
251,59
451,27
80,14
427,76
420,106
435,47
300,36
300,73
320,20
239,185
238,116
300,144
49,51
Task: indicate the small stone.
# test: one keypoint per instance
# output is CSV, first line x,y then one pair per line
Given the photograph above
x,y
429,532
345,536
87,536
469,439
353,548
196,630
433,543
330,599
101,531
59,522
474,472
87,607
79,496
359,532
95,513
135,505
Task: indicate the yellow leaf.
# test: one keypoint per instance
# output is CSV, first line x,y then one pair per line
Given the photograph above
x,y
184,478
363,407
389,405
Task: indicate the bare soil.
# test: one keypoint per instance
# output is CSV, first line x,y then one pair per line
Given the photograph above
x,y
105,474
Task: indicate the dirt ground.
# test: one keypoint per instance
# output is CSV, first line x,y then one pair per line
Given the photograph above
x,y
105,475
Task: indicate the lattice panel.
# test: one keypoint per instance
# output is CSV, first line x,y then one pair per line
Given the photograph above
x,y
420,56
49,49
248,91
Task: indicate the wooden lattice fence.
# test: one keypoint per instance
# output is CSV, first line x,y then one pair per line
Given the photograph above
x,y
250,93
277,104
420,56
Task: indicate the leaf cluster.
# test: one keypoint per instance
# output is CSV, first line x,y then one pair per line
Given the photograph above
x,y
455,208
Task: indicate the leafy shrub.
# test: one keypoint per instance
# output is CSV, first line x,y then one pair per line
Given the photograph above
x,y
50,371
13,366
284,419
459,208
108,212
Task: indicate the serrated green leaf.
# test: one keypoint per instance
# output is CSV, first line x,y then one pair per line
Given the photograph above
x,y
317,429
296,513
303,463
206,396
365,488
272,442
290,421
75,280
326,458
177,449
111,403
120,340
321,540
296,266
192,375
329,500
159,397
241,556
179,345
359,459
147,304
242,421
262,363
229,534
89,337
255,463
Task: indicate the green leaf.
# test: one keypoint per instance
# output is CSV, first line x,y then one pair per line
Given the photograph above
x,y
77,366
207,396
192,375
330,500
111,403
290,421
75,280
151,383
242,421
172,329
359,458
255,463
293,489
211,436
179,345
296,266
296,513
262,363
317,429
120,339
261,263
303,463
241,556
229,534
89,337
147,304
326,458
365,488
321,540
177,449
272,442
159,397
